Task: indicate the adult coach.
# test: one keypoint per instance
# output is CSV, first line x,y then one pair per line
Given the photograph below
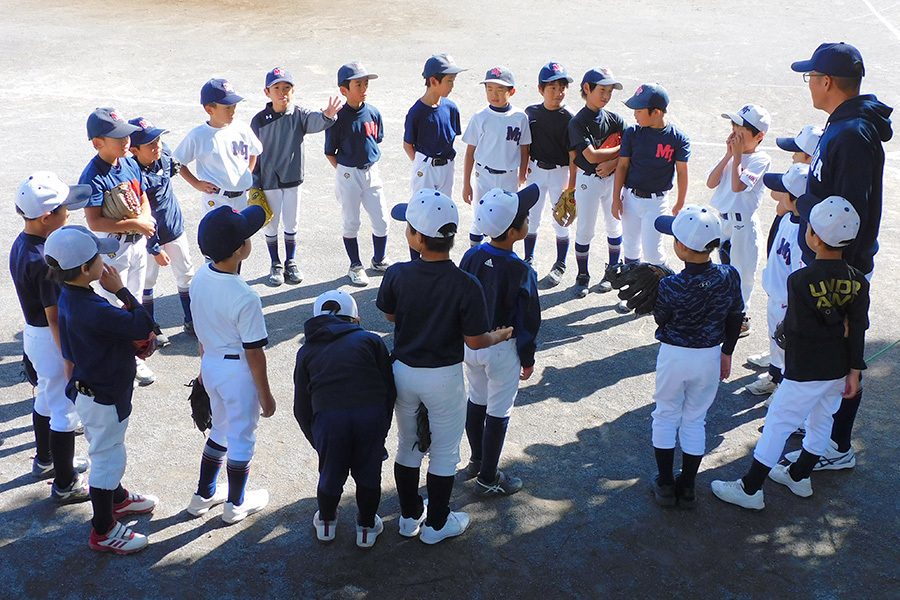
x,y
848,162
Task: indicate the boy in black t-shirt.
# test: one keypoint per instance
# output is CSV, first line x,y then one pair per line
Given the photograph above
x,y
824,336
436,309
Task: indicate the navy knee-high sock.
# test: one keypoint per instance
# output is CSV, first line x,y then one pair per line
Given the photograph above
x,y
582,252
492,446
379,243
530,242
407,480
185,297
367,500
352,248
328,504
210,463
237,470
844,418
290,245
614,245
102,503
41,426
562,249
439,490
147,300
272,246
475,414
62,447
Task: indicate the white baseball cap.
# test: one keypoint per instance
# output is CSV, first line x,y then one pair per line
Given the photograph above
x,y
695,226
805,141
44,192
833,219
793,181
427,211
345,301
752,114
497,210
73,245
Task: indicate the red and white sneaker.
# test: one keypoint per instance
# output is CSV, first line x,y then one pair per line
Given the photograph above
x,y
134,504
119,539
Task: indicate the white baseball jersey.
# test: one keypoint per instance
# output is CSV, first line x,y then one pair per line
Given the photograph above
x,y
497,137
227,312
785,257
726,200
222,154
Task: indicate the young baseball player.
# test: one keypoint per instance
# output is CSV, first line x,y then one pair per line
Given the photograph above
x,y
281,128
225,150
436,309
44,201
652,152
169,245
510,289
498,137
351,146
97,338
432,125
801,148
824,335
110,135
550,166
594,135
737,181
698,314
785,257
229,323
346,419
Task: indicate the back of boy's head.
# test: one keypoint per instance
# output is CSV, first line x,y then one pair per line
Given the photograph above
x,y
833,219
499,210
337,303
224,230
43,192
696,227
70,247
432,214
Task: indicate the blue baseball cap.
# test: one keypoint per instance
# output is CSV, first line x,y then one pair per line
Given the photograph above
x,y
353,70
223,230
104,122
277,75
648,95
146,132
601,76
219,91
73,245
837,60
501,75
553,71
441,64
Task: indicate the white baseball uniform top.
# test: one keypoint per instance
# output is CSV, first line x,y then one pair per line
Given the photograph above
x,y
726,200
497,137
227,313
785,257
222,154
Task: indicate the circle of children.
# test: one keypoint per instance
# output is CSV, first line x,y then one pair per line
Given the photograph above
x,y
484,313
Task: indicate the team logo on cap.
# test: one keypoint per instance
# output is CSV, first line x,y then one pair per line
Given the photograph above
x,y
277,72
605,71
144,124
638,91
356,65
113,116
227,87
556,67
495,71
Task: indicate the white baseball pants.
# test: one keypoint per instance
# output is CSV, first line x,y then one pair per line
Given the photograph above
x,y
180,256
551,183
50,400
106,442
742,230
234,401
285,205
214,201
361,187
638,227
591,194
425,175
493,375
485,182
131,263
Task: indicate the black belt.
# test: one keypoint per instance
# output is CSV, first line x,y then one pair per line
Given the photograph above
x,y
737,216
128,238
232,357
547,166
438,161
643,193
490,170
364,167
232,194
83,388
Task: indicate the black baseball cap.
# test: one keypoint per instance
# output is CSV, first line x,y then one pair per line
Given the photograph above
x,y
224,230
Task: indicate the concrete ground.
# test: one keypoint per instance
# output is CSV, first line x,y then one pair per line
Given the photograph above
x,y
585,526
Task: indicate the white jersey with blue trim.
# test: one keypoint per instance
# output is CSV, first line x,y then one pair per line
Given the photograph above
x,y
785,257
497,137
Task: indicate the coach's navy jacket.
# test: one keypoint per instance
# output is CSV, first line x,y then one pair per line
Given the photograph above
x,y
341,366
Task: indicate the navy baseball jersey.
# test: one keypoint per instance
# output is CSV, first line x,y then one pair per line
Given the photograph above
x,y
549,134
432,129
435,304
355,136
510,290
281,164
589,128
653,154
29,275
699,307
102,176
163,204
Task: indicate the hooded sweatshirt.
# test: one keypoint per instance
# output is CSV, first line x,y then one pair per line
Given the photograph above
x,y
341,366
849,162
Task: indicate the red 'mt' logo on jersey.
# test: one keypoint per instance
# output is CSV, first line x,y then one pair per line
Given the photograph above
x,y
372,129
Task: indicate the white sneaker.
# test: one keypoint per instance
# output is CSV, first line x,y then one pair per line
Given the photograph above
x,y
622,307
455,525
410,527
200,505
325,529
780,474
143,374
760,360
365,536
119,539
733,493
253,502
358,277
763,386
832,460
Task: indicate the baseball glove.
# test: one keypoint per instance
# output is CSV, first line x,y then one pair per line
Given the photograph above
x,y
779,334
423,431
256,196
565,211
638,284
612,141
121,202
145,348
201,412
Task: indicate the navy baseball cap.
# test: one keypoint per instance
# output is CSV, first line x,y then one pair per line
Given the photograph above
x,y
553,71
497,210
501,75
146,132
697,227
427,212
838,60
601,76
805,141
224,230
277,75
441,64
833,219
219,91
353,70
104,122
648,95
